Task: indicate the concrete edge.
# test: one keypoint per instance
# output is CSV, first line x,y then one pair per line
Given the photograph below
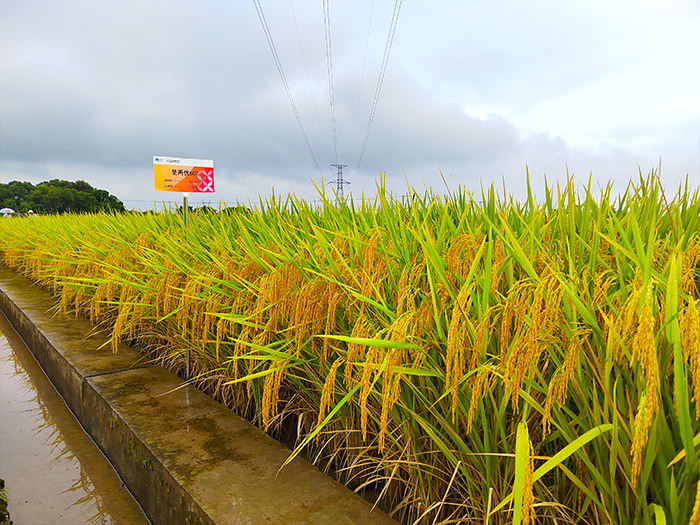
x,y
158,490
170,503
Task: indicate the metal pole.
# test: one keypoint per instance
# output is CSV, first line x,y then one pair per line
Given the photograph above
x,y
185,208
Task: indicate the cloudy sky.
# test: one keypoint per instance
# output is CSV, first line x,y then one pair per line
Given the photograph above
x,y
474,89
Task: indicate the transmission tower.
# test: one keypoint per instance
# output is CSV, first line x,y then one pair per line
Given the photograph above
x,y
340,182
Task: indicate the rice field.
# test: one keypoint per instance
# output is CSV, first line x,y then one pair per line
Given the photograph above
x,y
468,358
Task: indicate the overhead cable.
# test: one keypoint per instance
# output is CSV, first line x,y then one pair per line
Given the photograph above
x,y
308,78
329,63
362,79
380,79
278,63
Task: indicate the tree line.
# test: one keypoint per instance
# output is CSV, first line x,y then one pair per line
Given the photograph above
x,y
57,196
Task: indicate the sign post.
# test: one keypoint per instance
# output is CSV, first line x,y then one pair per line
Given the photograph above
x,y
185,176
186,212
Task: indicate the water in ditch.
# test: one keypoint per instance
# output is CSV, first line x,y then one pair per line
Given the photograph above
x,y
54,473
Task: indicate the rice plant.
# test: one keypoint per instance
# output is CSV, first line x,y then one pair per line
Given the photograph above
x,y
466,359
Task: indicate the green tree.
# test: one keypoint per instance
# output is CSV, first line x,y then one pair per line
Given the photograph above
x,y
57,196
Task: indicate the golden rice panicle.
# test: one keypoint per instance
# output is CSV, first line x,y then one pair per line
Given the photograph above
x,y
482,385
496,262
365,387
525,355
507,313
642,424
483,333
628,318
271,389
313,315
422,327
396,387
391,388
403,291
95,302
369,256
207,320
460,255
355,350
333,297
161,291
328,391
76,302
65,299
301,326
221,332
280,374
690,260
269,296
457,329
262,298
514,311
184,309
119,324
553,318
248,270
556,394
644,351
601,285
457,374
690,344
456,342
136,315
291,283
400,332
695,517
455,338
559,385
689,323
644,343
172,283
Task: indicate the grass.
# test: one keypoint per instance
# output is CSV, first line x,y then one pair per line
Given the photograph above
x,y
483,361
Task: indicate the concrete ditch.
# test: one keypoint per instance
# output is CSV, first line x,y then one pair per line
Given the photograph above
x,y
185,458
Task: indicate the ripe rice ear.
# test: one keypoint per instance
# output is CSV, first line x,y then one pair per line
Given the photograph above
x,y
328,391
690,343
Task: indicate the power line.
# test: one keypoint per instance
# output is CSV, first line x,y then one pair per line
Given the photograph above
x,y
308,77
278,63
380,79
329,64
362,79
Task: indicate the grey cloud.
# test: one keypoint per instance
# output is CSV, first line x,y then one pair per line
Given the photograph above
x,y
94,89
